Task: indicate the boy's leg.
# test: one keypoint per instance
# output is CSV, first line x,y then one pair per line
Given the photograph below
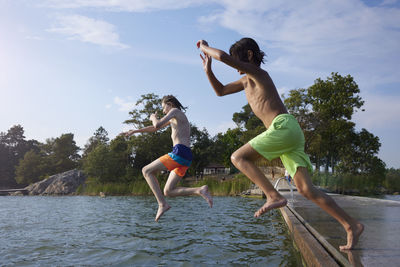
x,y
171,190
243,159
149,173
306,188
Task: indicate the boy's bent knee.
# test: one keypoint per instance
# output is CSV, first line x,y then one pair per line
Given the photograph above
x,y
167,192
146,170
236,157
233,158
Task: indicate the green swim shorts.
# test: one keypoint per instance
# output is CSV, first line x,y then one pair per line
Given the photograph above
x,y
285,139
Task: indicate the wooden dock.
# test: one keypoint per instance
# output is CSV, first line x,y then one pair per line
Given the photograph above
x,y
6,192
318,236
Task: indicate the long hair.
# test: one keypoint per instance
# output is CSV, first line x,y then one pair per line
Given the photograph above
x,y
172,100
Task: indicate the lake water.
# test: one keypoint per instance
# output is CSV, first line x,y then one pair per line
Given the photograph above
x,y
120,231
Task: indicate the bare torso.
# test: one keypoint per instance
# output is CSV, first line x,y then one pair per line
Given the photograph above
x,y
180,129
263,97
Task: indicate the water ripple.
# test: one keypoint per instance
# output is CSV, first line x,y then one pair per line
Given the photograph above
x,y
120,231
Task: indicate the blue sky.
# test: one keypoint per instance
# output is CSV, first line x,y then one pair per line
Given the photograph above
x,y
74,65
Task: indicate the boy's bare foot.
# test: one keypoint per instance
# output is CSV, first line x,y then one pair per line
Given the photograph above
x,y
271,204
352,236
206,195
161,210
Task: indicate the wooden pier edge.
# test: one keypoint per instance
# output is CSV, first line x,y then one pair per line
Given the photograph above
x,y
310,247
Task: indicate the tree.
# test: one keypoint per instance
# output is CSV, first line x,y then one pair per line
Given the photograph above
x,y
324,112
227,143
96,164
146,148
334,102
99,137
359,155
109,162
248,123
30,168
145,106
202,149
13,147
119,160
61,154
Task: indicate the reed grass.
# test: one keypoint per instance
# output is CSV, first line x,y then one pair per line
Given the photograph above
x,y
357,184
217,187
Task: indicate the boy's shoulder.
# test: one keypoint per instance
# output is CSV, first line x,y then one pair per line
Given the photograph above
x,y
176,112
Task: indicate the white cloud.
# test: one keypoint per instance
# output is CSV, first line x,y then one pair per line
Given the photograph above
x,y
126,5
33,37
88,30
320,36
124,105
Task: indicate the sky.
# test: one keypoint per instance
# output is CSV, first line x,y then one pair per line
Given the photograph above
x,y
71,66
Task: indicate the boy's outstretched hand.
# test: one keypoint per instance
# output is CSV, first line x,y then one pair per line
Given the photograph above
x,y
126,134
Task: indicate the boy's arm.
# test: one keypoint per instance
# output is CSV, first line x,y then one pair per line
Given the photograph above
x,y
219,88
148,129
220,55
157,125
164,121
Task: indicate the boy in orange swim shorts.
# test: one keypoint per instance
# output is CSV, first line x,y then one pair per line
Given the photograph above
x,y
178,161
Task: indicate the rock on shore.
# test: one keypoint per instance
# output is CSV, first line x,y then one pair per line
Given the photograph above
x,y
65,183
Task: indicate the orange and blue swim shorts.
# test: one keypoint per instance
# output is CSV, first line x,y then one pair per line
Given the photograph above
x,y
178,160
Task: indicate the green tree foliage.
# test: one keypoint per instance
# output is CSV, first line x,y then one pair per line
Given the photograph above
x,y
96,164
202,148
31,168
119,159
64,154
99,137
324,111
334,101
248,124
108,162
147,147
145,106
55,156
392,180
358,155
13,147
227,143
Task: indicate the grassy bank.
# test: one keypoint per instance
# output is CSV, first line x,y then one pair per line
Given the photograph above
x,y
361,184
229,187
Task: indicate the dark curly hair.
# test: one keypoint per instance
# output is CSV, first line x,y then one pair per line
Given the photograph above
x,y
172,100
240,48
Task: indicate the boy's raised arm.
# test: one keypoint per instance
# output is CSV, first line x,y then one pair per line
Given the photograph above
x,y
220,55
219,88
164,121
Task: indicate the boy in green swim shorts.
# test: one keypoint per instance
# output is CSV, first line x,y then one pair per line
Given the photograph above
x,y
283,139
